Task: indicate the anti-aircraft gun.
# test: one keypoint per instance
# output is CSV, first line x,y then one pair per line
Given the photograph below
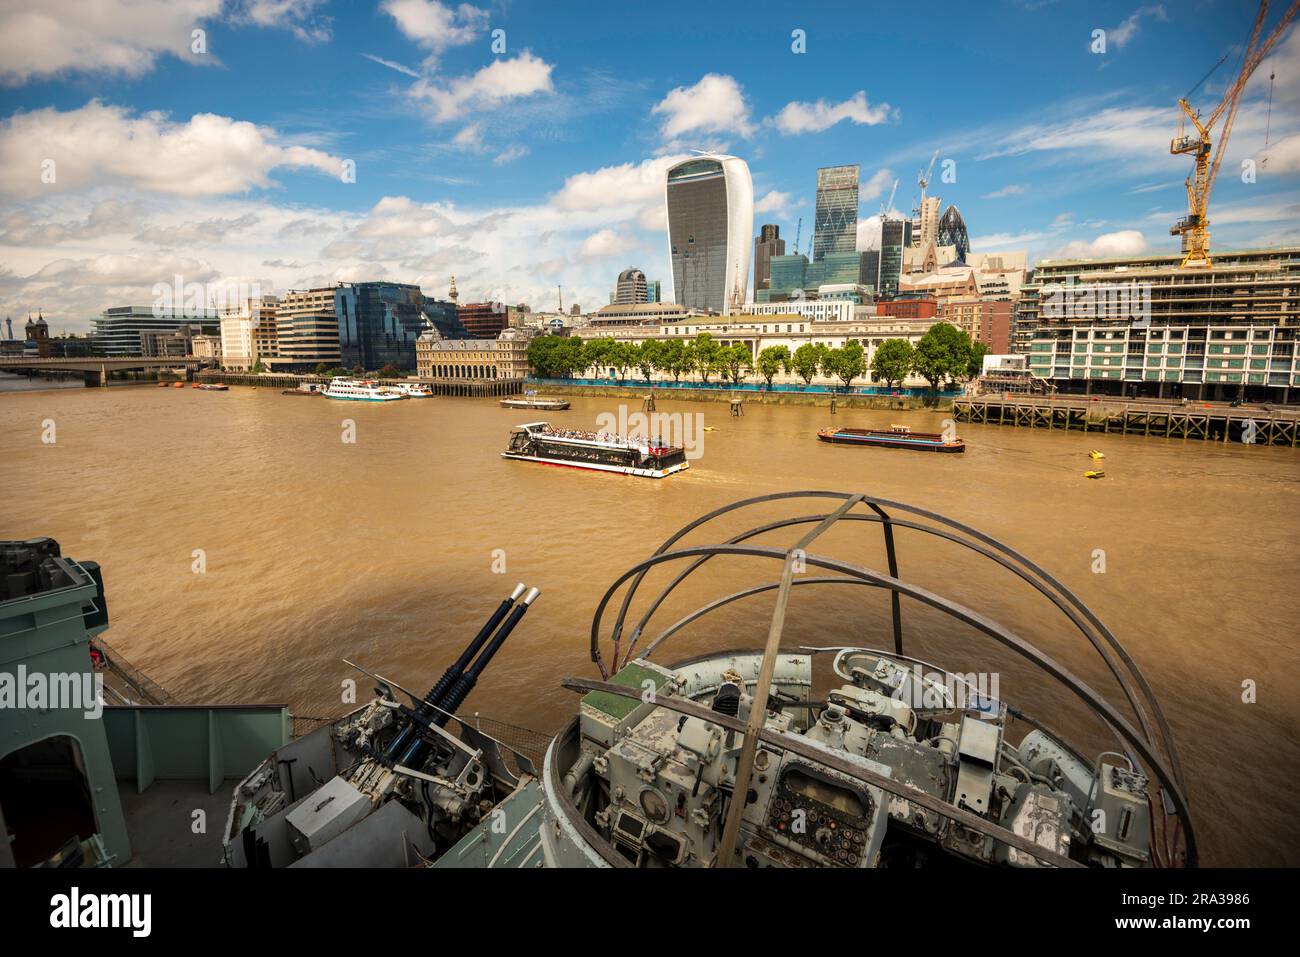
x,y
402,788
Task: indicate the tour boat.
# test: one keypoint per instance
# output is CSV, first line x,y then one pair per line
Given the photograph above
x,y
895,437
363,390
414,390
601,451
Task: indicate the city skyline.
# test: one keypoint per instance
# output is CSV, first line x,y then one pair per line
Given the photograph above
x,y
518,167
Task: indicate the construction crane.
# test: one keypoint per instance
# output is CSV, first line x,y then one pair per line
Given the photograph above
x,y
889,203
923,180
798,231
1192,138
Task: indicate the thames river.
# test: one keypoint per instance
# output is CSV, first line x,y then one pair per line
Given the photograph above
x,y
247,549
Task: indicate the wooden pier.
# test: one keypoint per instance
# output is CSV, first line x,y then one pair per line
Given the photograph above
x,y
1206,421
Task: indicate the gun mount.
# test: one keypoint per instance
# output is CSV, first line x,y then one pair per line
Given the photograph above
x,y
901,764
401,788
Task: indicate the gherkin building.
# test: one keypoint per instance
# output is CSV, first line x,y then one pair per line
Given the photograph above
x,y
952,232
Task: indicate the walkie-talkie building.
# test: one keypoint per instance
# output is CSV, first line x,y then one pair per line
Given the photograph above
x,y
836,225
710,200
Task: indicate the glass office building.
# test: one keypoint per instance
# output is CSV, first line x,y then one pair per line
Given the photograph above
x,y
710,204
952,232
379,323
895,234
836,224
122,330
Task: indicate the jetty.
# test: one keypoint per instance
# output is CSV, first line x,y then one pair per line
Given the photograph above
x,y
1256,424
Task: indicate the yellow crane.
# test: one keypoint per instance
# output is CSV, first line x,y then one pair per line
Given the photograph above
x,y
1193,139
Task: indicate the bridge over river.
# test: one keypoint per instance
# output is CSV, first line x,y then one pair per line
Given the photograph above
x,y
97,368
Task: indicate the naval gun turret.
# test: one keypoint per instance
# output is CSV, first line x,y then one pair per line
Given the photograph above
x,y
729,759
387,785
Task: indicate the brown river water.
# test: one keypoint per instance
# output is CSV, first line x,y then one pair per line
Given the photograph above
x,y
383,551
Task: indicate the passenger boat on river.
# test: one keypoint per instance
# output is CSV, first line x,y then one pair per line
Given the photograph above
x,y
895,437
601,451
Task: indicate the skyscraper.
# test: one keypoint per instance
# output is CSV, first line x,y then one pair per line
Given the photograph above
x,y
952,232
836,224
710,202
925,226
768,244
631,287
378,323
895,234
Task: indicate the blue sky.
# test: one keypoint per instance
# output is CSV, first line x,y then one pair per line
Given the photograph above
x,y
540,163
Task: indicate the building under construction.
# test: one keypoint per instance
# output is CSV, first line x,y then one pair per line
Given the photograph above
x,y
1145,327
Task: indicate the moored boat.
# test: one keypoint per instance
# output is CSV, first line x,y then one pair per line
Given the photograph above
x,y
362,390
599,451
895,437
548,405
414,390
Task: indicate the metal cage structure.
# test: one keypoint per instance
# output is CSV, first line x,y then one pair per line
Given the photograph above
x,y
1144,736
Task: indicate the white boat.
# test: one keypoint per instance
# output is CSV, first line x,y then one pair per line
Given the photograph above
x,y
414,390
600,451
363,390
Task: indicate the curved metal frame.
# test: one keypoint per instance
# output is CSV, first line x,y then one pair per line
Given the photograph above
x,y
1154,746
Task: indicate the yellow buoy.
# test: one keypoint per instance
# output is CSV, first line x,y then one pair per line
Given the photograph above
x,y
1094,454
1094,473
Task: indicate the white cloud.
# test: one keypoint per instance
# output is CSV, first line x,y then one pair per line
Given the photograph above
x,y
113,36
868,233
1280,157
1118,37
716,104
118,270
604,243
436,26
999,241
470,138
875,186
499,81
196,233
75,263
1126,242
773,201
509,155
1135,131
100,144
614,186
796,117
1013,189
297,16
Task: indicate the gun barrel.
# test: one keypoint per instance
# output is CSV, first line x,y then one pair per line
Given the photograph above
x,y
402,742
465,683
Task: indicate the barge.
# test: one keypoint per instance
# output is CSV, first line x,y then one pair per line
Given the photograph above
x,y
599,451
895,437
